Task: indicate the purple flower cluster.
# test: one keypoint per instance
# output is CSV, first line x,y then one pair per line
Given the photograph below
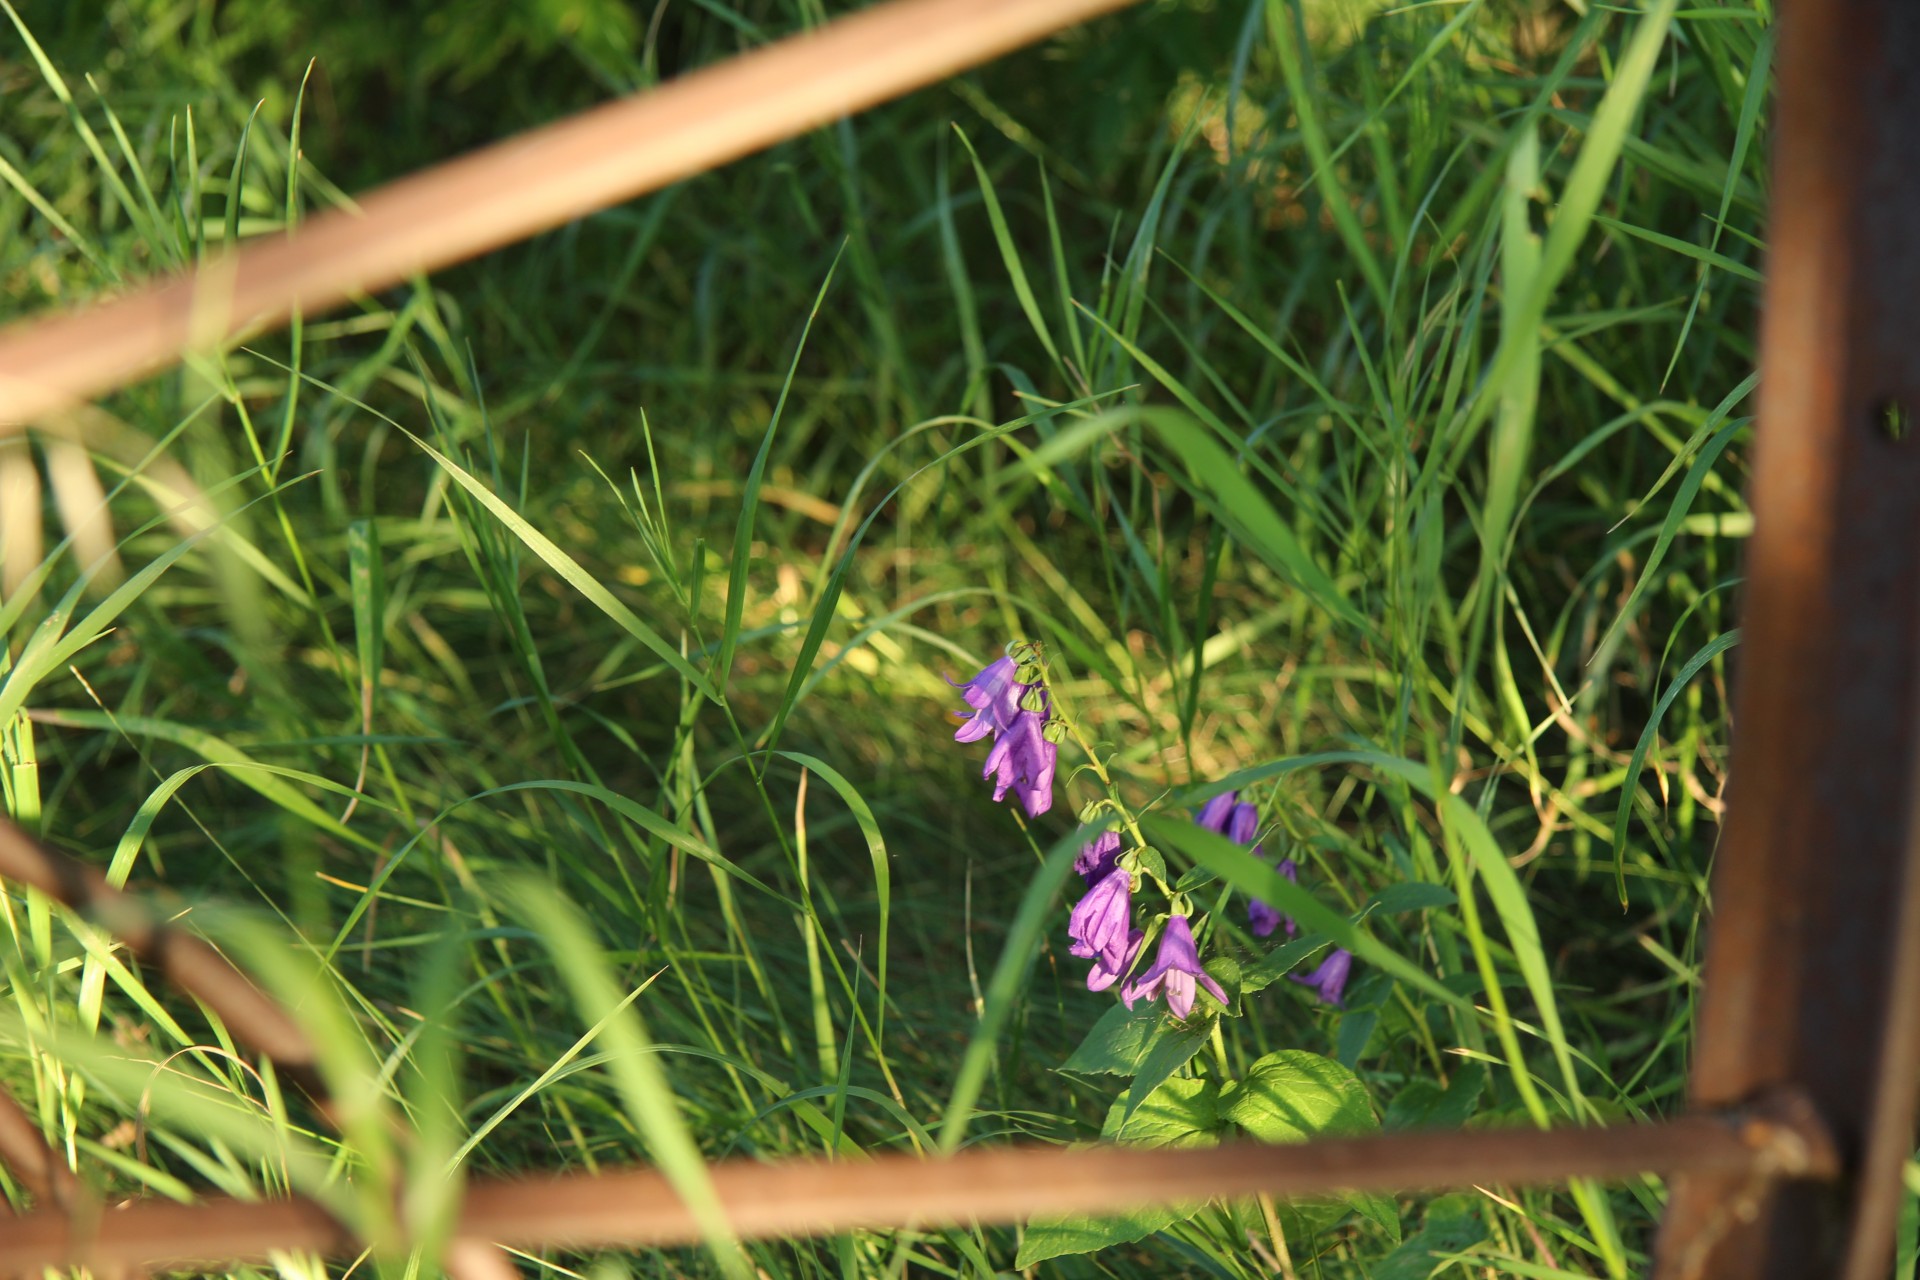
x,y
1022,757
1101,928
1238,822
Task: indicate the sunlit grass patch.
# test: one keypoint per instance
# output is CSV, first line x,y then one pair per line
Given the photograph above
x,y
1347,402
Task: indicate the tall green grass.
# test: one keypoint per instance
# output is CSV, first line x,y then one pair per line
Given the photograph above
x,y
1352,399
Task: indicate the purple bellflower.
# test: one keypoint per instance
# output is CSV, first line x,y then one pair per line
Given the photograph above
x,y
1105,974
1329,981
994,695
1176,969
1240,824
1022,759
1214,813
1264,917
1100,923
1098,858
1101,929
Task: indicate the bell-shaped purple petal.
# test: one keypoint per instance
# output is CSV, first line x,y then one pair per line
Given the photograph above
x,y
1106,972
995,696
1176,969
1329,981
1265,918
1214,813
1023,760
1102,919
1242,823
1098,858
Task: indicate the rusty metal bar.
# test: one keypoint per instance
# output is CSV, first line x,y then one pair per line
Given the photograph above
x,y
801,1197
37,1165
193,965
515,188
188,962
1813,965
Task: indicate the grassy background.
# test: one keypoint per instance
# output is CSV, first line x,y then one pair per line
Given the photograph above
x,y
1465,292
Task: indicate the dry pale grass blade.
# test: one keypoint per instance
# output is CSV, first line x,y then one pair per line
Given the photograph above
x,y
20,546
515,188
799,1197
82,504
69,441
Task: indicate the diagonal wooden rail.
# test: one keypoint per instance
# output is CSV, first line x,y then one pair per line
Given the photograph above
x,y
638,1208
516,188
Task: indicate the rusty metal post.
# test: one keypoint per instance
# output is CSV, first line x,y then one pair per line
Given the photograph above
x,y
638,1208
1813,962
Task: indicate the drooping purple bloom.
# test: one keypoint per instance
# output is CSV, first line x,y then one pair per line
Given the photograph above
x,y
1100,923
1176,968
1100,929
1329,981
1022,759
1264,917
1242,823
1105,973
1098,858
994,695
1214,813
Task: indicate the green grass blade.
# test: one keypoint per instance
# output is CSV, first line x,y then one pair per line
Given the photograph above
x,y
643,1086
750,497
1628,785
569,569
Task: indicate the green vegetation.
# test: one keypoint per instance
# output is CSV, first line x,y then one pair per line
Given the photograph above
x,y
1351,400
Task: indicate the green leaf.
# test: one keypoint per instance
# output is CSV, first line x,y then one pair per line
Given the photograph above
x,y
1195,878
1708,652
1453,1224
1225,970
1378,1209
1279,962
742,557
1416,895
1425,1105
1009,253
1239,868
1678,510
1178,1113
1251,518
570,569
1167,1054
1058,1237
1356,1029
1118,1042
1293,1095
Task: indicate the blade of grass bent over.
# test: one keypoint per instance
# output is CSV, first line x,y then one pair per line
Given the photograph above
x,y
750,496
568,568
